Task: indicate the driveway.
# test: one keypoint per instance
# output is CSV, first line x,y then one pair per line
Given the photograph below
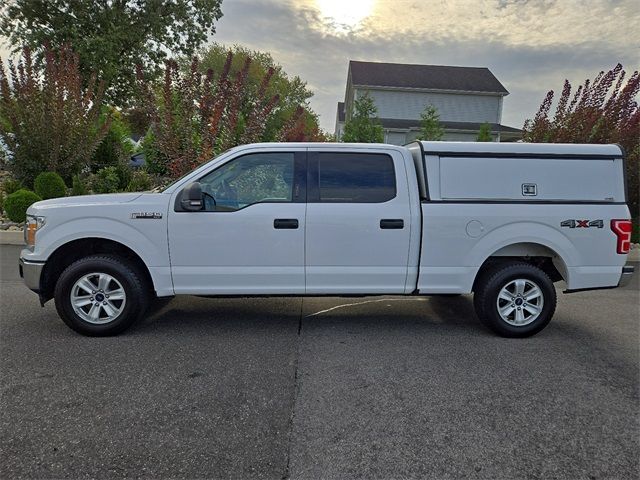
x,y
321,388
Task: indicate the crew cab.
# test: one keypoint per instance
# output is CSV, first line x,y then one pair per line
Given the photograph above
x,y
503,221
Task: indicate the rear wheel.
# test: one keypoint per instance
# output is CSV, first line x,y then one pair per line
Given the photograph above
x,y
515,299
100,295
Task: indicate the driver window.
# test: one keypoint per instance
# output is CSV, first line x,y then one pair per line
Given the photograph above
x,y
253,178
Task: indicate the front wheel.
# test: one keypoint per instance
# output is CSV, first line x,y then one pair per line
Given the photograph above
x,y
515,299
100,295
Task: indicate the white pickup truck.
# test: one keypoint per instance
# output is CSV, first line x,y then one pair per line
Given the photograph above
x,y
502,220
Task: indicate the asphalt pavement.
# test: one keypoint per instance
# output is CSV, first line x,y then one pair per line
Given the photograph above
x,y
330,388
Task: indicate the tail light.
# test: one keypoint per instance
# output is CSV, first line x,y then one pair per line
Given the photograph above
x,y
622,229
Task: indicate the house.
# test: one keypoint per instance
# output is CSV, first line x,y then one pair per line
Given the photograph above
x,y
465,97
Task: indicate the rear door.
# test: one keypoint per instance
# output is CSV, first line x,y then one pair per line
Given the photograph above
x,y
357,222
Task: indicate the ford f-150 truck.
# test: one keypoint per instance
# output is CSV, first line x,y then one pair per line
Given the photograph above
x,y
503,221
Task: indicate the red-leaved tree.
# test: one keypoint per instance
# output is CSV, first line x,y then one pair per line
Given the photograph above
x,y
49,120
196,115
602,110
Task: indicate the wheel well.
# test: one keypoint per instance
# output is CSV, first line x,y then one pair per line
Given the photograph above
x,y
68,253
535,254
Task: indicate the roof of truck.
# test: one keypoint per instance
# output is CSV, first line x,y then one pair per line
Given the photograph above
x,y
482,149
426,77
521,148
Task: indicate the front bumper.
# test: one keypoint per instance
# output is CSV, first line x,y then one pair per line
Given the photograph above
x,y
627,273
31,272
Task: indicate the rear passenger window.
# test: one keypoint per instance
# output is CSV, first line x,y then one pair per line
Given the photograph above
x,y
356,177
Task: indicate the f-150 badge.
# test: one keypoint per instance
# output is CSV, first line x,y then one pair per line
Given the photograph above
x,y
147,215
582,223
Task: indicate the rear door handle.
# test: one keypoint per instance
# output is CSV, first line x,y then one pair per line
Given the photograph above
x,y
286,223
392,223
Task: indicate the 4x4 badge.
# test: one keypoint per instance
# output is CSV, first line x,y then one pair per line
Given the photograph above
x,y
582,223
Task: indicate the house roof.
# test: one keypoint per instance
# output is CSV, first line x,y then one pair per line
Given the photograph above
x,y
427,77
341,114
470,126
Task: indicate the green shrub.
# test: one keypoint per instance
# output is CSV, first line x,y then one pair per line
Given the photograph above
x,y
11,185
106,180
17,203
49,185
79,186
115,146
154,160
140,182
124,172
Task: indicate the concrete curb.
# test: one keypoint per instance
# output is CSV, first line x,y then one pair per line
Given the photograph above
x,y
11,238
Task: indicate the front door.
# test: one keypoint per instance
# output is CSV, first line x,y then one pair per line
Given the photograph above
x,y
249,237
358,223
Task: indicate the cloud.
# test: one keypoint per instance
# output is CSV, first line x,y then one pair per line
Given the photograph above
x,y
530,46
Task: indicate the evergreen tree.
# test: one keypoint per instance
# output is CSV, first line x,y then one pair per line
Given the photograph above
x,y
430,127
484,135
363,126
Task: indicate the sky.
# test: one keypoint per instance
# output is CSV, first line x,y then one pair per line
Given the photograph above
x,y
530,46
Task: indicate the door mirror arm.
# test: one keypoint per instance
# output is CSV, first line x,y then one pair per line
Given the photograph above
x,y
192,200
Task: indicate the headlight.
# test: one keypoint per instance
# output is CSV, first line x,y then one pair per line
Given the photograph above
x,y
31,226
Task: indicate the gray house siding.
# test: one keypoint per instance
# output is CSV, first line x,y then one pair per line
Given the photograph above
x,y
395,138
451,107
465,97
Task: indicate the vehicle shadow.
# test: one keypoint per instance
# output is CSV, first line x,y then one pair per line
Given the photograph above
x,y
211,315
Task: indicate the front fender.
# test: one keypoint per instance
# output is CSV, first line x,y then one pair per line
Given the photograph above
x,y
150,245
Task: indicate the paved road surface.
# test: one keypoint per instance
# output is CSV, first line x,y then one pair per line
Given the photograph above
x,y
369,388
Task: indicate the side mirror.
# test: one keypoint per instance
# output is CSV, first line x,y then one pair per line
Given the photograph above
x,y
192,197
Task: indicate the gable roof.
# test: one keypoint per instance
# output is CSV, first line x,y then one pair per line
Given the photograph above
x,y
428,77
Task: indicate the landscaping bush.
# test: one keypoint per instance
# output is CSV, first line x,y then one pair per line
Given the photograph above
x,y
115,146
153,159
17,203
49,185
140,182
79,187
106,180
11,185
123,171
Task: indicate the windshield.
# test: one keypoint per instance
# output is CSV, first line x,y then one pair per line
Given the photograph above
x,y
161,188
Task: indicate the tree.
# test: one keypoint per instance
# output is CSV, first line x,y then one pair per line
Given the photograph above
x,y
48,120
292,91
602,110
111,36
484,135
430,127
363,125
196,115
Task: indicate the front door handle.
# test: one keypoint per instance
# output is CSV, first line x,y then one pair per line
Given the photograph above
x,y
286,223
392,223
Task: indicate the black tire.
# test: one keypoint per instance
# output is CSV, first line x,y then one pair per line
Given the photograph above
x,y
491,283
132,281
